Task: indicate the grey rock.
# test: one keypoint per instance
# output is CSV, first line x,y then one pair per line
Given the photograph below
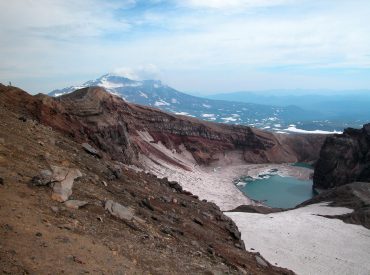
x,y
238,245
44,178
175,186
91,150
208,215
211,251
261,261
75,204
165,199
167,230
114,172
55,209
119,211
63,179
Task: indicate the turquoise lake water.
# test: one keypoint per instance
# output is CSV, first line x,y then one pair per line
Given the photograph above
x,y
276,191
302,164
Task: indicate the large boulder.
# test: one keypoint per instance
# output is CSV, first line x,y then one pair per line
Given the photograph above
x,y
119,211
62,180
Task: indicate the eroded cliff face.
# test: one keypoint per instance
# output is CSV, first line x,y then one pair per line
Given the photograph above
x,y
344,159
113,125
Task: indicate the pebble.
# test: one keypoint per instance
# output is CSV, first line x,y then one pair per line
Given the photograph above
x,y
75,204
22,118
166,230
55,209
91,150
261,261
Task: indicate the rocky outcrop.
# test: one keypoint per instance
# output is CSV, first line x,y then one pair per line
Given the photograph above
x,y
207,140
353,195
344,159
63,180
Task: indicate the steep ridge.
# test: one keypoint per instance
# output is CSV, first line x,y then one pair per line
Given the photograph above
x,y
39,235
205,140
113,126
344,159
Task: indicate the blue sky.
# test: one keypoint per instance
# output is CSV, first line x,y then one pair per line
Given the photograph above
x,y
204,46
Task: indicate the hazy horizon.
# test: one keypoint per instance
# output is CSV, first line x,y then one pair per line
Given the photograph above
x,y
203,46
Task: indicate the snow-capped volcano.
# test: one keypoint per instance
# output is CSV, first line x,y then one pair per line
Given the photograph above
x,y
156,94
108,81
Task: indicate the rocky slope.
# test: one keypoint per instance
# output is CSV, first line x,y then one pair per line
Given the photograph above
x,y
344,159
69,209
354,195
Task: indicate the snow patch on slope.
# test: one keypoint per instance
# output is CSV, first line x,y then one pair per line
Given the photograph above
x,y
229,119
293,129
143,95
161,102
305,242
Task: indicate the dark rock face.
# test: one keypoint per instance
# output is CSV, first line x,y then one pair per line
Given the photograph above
x,y
353,195
344,158
256,209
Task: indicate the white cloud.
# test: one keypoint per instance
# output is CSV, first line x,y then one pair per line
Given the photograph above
x,y
49,42
61,19
142,72
233,4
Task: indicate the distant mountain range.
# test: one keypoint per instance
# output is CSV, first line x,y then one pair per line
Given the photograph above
x,y
289,118
334,105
